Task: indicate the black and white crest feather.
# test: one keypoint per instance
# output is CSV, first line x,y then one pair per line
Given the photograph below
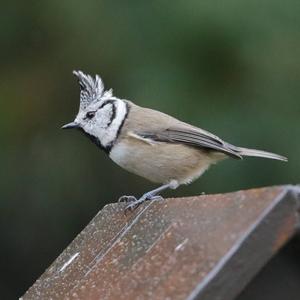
x,y
91,89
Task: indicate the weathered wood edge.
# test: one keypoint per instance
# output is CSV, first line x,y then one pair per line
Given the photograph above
x,y
237,262
238,267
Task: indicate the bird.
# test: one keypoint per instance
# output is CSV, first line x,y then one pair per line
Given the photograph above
x,y
147,142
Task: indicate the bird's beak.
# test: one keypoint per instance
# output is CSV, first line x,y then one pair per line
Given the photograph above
x,y
70,125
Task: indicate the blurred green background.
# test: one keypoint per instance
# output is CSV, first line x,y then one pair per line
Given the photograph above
x,y
231,67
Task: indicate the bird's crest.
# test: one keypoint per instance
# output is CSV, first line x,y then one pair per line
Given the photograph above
x,y
91,89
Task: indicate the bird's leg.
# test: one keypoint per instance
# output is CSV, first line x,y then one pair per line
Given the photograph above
x,y
152,195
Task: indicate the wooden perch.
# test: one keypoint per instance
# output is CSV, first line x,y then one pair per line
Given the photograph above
x,y
205,247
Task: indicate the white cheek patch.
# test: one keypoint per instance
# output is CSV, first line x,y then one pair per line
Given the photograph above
x,y
103,117
108,122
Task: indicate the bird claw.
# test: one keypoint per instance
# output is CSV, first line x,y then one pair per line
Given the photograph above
x,y
132,206
137,202
127,199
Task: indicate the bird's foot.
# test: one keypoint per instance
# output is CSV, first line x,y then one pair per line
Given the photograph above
x,y
137,202
127,199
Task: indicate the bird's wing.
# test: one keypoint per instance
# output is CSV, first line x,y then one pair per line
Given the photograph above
x,y
192,136
156,126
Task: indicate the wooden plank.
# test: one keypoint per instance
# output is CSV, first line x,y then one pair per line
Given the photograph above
x,y
208,246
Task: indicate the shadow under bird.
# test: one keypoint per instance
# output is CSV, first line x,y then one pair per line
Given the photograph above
x,y
148,142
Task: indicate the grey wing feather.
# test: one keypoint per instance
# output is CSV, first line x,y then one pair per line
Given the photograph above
x,y
165,128
197,138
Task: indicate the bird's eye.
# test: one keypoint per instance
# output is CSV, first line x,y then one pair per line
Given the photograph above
x,y
90,114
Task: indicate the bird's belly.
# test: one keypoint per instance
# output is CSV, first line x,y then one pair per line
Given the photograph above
x,y
161,162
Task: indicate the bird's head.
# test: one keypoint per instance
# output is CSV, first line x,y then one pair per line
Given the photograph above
x,y
100,114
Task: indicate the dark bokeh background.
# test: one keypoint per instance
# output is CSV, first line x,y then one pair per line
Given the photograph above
x,y
231,67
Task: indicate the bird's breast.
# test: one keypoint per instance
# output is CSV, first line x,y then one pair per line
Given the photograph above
x,y
159,161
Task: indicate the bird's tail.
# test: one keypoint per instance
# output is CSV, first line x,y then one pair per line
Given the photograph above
x,y
260,153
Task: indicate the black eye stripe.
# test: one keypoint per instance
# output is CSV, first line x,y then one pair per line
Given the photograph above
x,y
90,114
113,115
106,102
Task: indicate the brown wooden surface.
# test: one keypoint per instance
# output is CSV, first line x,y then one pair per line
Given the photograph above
x,y
204,247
